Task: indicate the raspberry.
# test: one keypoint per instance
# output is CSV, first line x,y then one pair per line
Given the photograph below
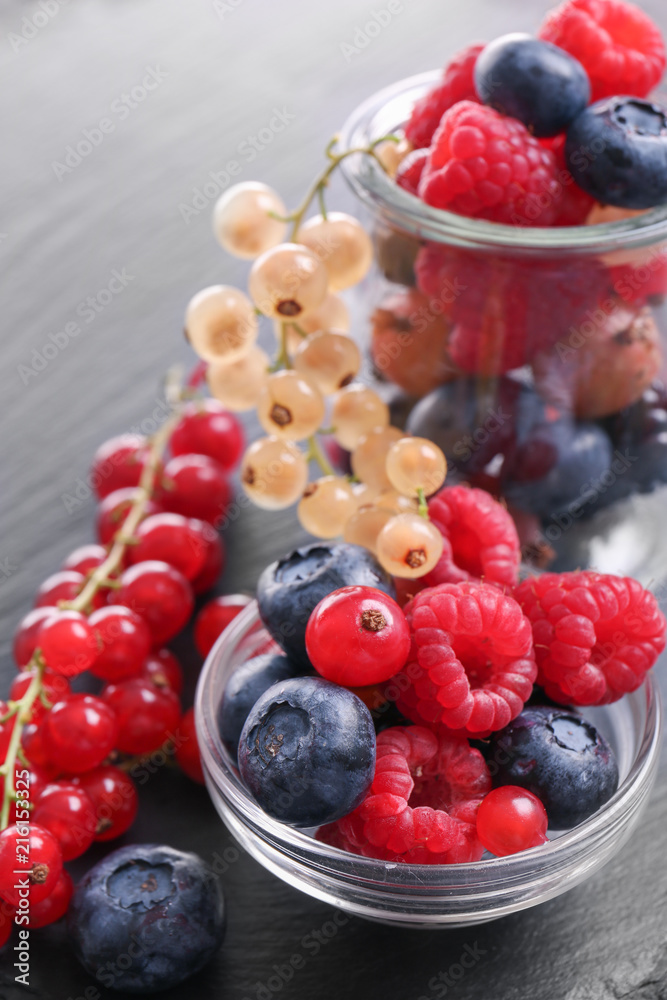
x,y
596,635
471,666
618,45
457,84
575,205
487,166
422,805
642,281
508,308
480,538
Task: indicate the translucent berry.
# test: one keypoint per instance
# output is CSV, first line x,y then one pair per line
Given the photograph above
x,y
66,811
357,636
409,546
118,463
206,428
326,506
369,458
63,586
511,819
330,360
214,618
146,714
195,486
68,643
27,631
287,281
114,798
364,526
124,641
391,154
113,511
160,595
54,688
342,244
172,539
220,323
274,473
332,314
85,559
243,222
80,731
356,411
290,406
238,384
415,464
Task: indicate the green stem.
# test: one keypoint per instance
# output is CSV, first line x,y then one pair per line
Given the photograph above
x,y
23,712
315,454
423,506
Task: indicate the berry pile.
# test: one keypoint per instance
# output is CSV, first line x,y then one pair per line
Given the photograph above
x,y
459,662
67,755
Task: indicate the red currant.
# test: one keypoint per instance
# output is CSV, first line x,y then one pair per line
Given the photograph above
x,y
34,784
113,510
55,905
208,429
163,669
114,799
64,586
124,639
85,559
118,463
358,636
195,486
214,618
7,914
68,643
66,811
35,748
160,595
511,819
27,630
214,556
54,686
40,861
146,714
170,538
80,731
187,750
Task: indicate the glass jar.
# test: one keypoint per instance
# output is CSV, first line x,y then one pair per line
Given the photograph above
x,y
533,356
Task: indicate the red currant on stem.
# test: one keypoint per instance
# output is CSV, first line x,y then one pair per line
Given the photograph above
x,y
146,714
27,630
160,595
187,750
214,618
114,798
7,914
55,905
85,558
43,863
66,811
357,636
170,538
163,669
80,731
206,428
54,688
214,556
195,486
67,643
114,510
66,585
124,640
511,819
118,463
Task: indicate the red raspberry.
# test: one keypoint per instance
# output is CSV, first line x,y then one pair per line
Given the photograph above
x,y
595,635
575,205
422,805
507,309
487,166
480,538
457,84
644,280
618,45
471,666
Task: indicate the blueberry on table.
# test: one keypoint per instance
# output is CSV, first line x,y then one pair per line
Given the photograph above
x,y
242,690
289,589
307,751
616,151
537,82
559,757
146,918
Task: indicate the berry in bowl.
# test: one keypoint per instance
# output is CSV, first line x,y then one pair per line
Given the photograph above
x,y
478,751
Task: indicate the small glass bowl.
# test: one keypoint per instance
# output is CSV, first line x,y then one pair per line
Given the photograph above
x,y
426,895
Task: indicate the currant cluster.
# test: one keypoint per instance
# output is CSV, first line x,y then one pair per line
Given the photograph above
x,y
67,755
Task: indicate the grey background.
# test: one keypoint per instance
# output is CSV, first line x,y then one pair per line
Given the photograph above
x,y
225,68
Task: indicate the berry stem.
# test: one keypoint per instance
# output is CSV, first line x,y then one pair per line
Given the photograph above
x,y
315,454
100,577
22,710
422,510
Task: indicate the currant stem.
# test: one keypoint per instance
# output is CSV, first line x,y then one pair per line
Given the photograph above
x,y
422,510
315,454
23,710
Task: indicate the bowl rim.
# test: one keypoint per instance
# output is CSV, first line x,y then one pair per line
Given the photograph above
x,y
512,867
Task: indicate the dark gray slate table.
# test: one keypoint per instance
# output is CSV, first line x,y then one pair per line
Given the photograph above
x,y
185,89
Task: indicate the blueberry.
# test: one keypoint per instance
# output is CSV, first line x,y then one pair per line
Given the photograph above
x,y
582,455
640,434
307,751
146,918
538,83
289,589
558,756
243,689
617,152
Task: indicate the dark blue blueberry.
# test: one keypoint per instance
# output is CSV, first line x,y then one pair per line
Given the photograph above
x,y
558,756
640,434
617,152
538,83
477,423
581,455
146,918
242,690
289,589
307,751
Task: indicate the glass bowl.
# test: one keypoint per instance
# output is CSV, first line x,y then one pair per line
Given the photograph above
x,y
425,895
